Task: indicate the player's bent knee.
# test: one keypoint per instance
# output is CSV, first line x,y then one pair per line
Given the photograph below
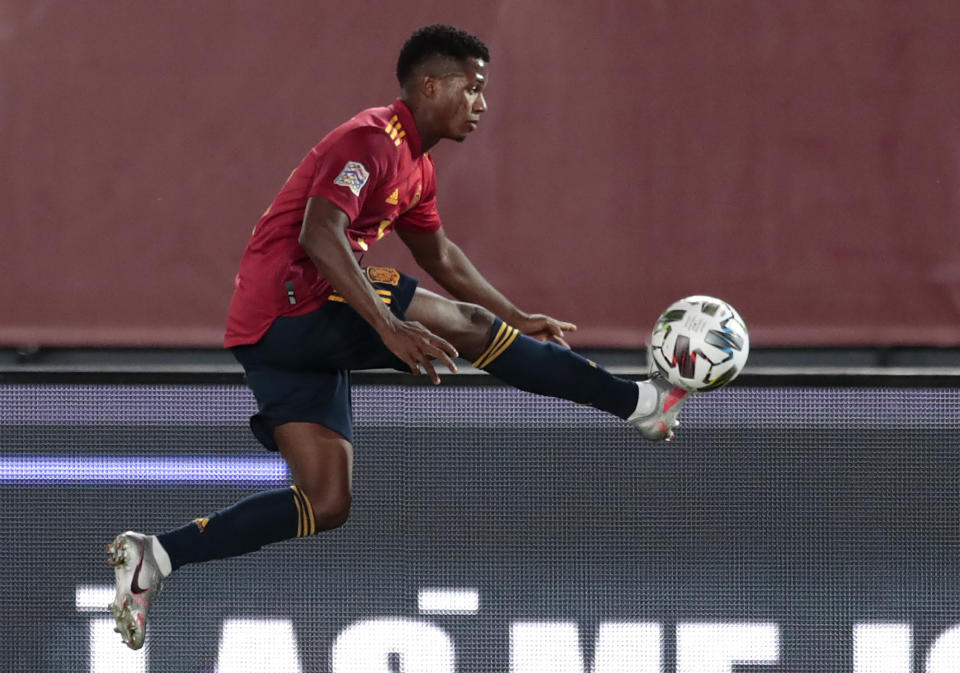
x,y
477,317
331,509
333,514
321,462
475,329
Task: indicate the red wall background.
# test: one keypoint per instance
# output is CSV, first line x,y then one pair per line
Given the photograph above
x,y
801,159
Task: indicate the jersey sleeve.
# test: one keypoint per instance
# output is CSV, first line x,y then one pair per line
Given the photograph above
x,y
423,217
349,167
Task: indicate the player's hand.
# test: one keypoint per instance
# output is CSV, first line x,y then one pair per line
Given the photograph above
x,y
544,328
419,347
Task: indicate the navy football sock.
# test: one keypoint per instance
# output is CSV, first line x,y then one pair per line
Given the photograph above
x,y
550,369
244,527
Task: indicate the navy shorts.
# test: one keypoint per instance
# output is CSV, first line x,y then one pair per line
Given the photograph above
x,y
300,370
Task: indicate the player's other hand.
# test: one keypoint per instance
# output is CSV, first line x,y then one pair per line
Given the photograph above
x,y
544,328
419,347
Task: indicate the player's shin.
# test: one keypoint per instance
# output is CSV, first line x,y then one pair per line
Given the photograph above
x,y
248,525
549,369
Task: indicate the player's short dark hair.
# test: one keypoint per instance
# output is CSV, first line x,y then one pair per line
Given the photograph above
x,y
438,40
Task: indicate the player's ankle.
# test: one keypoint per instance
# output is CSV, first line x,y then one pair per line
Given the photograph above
x,y
161,557
646,400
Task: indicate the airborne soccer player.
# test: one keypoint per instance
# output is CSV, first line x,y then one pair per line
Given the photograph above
x,y
304,314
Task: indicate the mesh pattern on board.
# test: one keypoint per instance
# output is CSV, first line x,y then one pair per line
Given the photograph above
x,y
801,513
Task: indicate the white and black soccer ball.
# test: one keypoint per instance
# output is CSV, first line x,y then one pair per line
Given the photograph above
x,y
700,343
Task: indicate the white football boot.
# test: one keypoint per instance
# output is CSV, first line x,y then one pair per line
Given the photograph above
x,y
139,580
657,408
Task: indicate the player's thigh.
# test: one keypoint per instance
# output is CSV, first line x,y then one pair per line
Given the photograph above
x,y
467,326
335,336
321,464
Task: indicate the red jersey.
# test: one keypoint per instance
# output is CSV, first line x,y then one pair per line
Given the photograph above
x,y
372,167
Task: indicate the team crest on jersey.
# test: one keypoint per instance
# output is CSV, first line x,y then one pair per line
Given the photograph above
x,y
353,176
383,274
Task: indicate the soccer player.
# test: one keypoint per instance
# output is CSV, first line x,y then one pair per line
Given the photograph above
x,y
304,313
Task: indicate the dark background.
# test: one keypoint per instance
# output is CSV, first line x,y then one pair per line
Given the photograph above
x,y
799,159
815,509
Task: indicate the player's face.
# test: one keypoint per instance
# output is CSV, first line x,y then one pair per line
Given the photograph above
x,y
460,101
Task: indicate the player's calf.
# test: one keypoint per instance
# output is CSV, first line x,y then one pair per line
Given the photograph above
x,y
244,527
546,368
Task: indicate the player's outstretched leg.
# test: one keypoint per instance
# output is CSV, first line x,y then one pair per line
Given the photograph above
x,y
650,406
546,368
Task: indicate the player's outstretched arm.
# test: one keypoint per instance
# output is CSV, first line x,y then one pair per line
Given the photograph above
x,y
452,269
323,237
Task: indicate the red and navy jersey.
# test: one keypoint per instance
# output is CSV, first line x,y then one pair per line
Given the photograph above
x,y
373,168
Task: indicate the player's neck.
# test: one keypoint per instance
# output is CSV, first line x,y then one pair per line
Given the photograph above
x,y
424,122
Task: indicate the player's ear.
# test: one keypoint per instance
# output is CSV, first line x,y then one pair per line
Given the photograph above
x,y
428,85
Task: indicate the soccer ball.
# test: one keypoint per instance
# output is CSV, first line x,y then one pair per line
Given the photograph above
x,y
700,343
